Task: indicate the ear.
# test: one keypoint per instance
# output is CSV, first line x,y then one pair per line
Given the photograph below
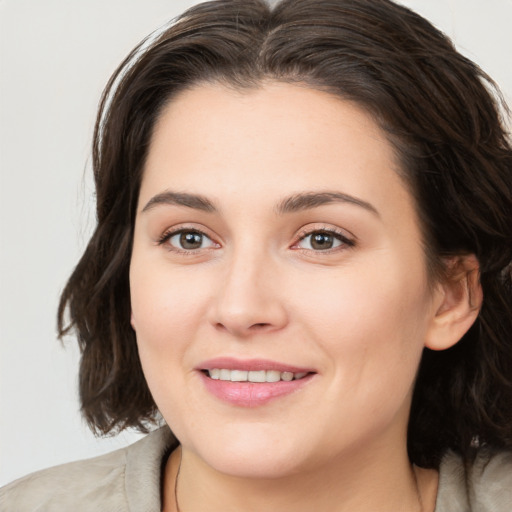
x,y
132,321
457,303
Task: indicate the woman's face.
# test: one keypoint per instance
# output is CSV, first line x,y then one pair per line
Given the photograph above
x,y
274,239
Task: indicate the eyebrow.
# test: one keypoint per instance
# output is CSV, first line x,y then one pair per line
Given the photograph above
x,y
309,200
195,201
295,203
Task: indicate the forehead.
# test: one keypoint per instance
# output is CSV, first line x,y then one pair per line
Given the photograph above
x,y
260,144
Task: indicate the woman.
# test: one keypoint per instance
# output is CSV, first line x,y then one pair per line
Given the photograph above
x,y
303,263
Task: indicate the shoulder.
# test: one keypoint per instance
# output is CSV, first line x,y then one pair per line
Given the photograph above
x,y
490,482
68,486
118,481
484,485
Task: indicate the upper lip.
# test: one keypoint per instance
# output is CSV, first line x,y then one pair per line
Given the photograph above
x,y
231,363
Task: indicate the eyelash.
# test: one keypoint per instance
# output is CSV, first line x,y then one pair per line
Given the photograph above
x,y
338,235
167,235
346,243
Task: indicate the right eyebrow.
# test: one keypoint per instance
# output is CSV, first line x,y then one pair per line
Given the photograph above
x,y
195,201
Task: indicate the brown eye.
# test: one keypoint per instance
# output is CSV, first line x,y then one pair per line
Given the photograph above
x,y
190,240
322,241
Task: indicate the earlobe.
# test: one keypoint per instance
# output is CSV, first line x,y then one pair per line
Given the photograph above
x,y
132,321
458,303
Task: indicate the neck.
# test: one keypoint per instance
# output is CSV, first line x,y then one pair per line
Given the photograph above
x,y
342,486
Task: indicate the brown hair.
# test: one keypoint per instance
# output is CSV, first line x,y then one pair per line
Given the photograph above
x,y
439,110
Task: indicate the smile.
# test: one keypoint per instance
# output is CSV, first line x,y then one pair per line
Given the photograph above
x,y
254,376
252,383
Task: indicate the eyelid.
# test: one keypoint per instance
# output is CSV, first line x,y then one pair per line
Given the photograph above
x,y
348,239
175,230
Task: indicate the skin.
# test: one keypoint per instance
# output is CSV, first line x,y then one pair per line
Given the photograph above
x,y
358,314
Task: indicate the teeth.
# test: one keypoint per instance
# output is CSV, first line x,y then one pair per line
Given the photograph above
x,y
273,376
238,376
257,376
254,376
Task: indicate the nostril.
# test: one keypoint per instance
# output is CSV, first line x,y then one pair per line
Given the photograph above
x,y
240,330
259,326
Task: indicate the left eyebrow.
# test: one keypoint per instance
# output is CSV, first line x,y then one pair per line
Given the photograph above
x,y
309,200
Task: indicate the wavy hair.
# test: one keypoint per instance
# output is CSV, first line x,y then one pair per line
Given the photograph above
x,y
440,111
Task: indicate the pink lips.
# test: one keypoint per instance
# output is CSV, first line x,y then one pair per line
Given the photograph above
x,y
251,394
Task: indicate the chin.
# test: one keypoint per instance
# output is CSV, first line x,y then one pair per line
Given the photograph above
x,y
253,454
267,466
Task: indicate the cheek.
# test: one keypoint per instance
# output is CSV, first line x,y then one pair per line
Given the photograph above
x,y
374,339
369,321
164,303
162,316
169,308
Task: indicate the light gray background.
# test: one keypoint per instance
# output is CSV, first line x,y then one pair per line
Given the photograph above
x,y
56,56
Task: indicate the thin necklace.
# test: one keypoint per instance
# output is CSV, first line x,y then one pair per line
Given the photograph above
x,y
416,484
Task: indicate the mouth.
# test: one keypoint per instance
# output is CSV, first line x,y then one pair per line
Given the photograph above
x,y
252,383
256,376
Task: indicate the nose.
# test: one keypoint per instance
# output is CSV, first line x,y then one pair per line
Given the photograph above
x,y
250,297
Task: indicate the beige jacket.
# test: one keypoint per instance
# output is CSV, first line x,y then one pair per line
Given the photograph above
x,y
128,480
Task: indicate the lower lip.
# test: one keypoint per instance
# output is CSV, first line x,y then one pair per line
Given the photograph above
x,y
252,394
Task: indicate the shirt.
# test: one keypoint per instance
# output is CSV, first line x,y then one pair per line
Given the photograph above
x,y
129,480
